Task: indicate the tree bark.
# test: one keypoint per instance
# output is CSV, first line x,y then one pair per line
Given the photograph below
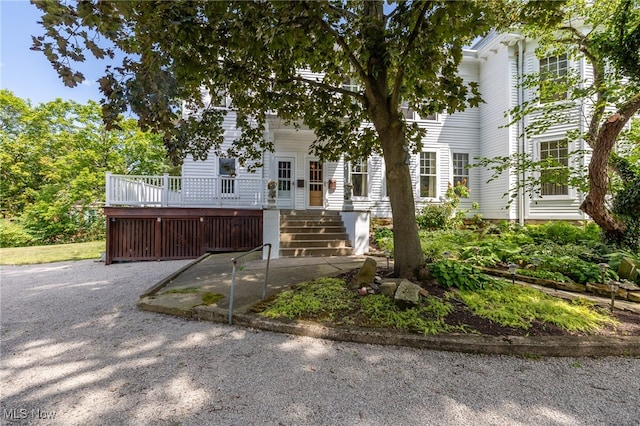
x,y
594,203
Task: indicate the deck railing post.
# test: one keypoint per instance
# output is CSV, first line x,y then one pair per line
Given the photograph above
x,y
108,190
165,190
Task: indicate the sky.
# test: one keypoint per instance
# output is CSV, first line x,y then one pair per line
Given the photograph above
x,y
27,73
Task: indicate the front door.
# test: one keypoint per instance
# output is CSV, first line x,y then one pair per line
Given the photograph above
x,y
285,182
316,185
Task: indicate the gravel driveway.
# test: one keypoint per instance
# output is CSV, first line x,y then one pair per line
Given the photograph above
x,y
74,346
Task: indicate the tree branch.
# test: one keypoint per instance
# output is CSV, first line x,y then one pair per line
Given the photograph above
x,y
412,38
324,86
343,45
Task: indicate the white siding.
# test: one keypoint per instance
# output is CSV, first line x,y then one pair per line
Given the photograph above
x,y
496,86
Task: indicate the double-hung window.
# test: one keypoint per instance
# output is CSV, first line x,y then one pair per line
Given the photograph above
x,y
555,175
428,174
461,168
553,74
359,178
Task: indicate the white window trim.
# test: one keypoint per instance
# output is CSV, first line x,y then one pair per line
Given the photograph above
x,y
453,167
571,192
436,197
570,67
360,197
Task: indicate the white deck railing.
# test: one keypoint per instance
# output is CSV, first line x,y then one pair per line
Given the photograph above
x,y
177,191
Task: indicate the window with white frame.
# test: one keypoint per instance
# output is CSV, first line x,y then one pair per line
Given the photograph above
x,y
359,178
428,174
410,114
553,73
227,171
461,168
554,177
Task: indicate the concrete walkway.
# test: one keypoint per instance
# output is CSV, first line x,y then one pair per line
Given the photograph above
x,y
181,294
213,273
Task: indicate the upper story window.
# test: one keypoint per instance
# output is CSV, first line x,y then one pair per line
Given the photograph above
x,y
554,178
410,114
350,85
359,178
553,72
461,168
428,174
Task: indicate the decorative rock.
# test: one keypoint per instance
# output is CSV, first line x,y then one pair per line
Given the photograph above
x,y
599,288
634,296
365,275
375,287
575,287
363,291
407,294
628,269
388,288
377,279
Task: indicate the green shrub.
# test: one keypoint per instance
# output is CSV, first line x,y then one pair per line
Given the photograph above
x,y
450,273
545,275
12,234
564,233
383,237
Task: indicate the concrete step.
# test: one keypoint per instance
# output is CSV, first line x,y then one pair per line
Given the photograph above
x,y
313,233
316,251
312,229
301,236
315,243
311,222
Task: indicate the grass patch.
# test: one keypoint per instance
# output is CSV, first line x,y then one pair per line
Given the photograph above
x,y
185,290
517,306
319,300
207,297
328,299
427,318
52,253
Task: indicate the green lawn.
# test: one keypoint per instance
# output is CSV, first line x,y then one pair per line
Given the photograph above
x,y
52,253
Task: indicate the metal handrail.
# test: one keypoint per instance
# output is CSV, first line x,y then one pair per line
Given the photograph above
x,y
234,260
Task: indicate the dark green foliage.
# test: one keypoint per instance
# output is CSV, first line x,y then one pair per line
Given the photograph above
x,y
450,273
53,160
564,233
545,275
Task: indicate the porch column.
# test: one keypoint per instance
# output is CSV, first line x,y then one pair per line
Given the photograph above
x,y
271,232
357,226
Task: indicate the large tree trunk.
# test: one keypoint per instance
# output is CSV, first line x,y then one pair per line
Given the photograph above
x,y
408,255
594,203
384,114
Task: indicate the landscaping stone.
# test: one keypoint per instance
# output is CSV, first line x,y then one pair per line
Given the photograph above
x,y
388,288
365,275
575,287
628,269
599,288
634,296
407,294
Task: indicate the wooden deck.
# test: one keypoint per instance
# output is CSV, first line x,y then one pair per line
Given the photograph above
x,y
150,233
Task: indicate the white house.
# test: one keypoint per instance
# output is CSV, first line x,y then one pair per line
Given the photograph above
x,y
304,183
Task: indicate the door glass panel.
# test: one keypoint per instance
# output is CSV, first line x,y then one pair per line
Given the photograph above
x,y
284,179
315,184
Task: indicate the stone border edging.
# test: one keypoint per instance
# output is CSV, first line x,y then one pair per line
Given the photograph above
x,y
567,346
